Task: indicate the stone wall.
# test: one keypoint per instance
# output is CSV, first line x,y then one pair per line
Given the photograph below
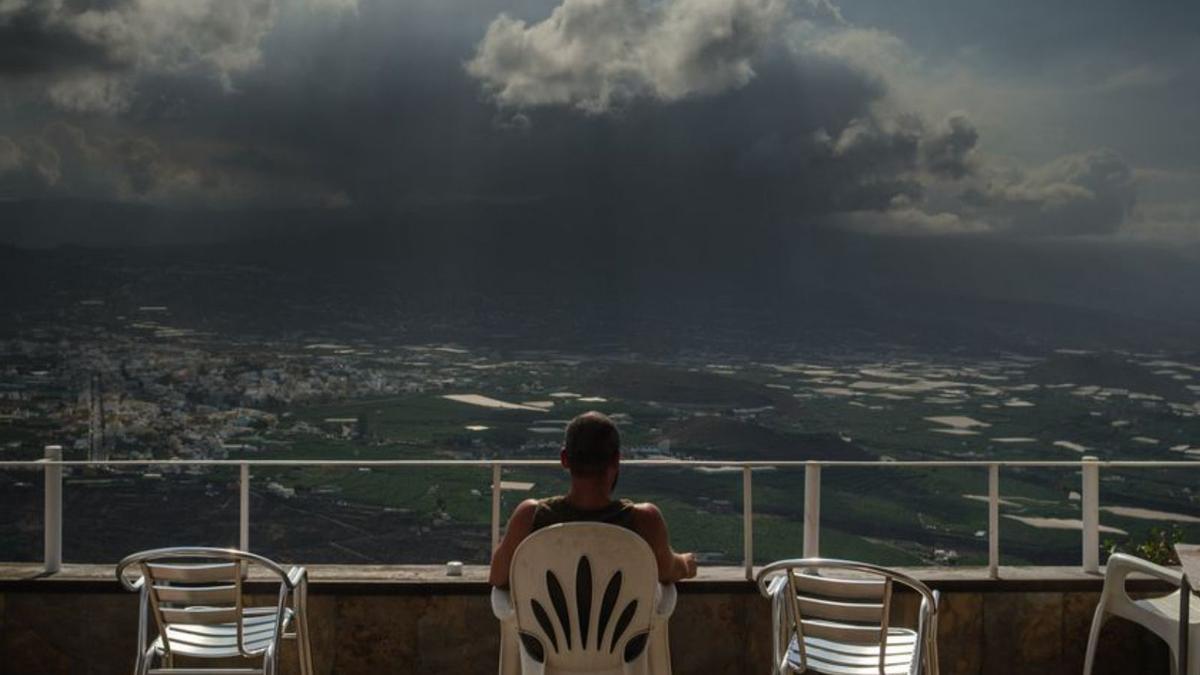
x,y
986,627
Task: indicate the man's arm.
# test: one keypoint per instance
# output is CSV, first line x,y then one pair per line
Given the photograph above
x,y
672,566
519,526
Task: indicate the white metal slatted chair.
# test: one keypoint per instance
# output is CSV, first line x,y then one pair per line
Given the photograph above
x,y
584,598
838,623
1159,615
196,596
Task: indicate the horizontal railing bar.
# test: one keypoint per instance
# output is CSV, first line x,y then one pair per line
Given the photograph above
x,y
1118,464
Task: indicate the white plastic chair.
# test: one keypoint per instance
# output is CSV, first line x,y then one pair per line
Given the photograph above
x,y
1159,615
584,598
196,598
839,624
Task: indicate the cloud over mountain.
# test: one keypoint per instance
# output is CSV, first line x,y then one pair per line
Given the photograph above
x,y
843,147
89,55
62,160
1085,193
786,114
597,54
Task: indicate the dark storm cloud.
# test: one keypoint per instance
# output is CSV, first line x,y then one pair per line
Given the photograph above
x,y
948,150
1087,193
594,55
702,110
870,163
90,54
34,41
27,168
62,160
692,79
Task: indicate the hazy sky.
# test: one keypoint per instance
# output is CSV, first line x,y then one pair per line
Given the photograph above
x,y
1021,118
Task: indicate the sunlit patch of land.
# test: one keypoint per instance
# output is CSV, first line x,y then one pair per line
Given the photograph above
x,y
957,422
1149,514
489,402
984,498
1060,524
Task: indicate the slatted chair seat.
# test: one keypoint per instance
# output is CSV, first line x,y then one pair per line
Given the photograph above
x,y
196,599
838,658
218,641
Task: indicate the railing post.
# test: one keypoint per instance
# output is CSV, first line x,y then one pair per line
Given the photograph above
x,y
244,510
52,523
1090,504
812,510
495,505
994,521
747,523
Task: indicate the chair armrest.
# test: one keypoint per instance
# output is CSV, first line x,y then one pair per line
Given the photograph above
x,y
502,606
134,584
1121,565
774,586
667,596
297,576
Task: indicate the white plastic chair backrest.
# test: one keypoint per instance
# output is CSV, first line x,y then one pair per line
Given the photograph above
x,y
584,594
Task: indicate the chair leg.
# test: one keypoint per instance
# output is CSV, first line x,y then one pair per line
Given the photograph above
x,y
303,637
1193,655
145,660
270,662
303,645
1094,638
932,661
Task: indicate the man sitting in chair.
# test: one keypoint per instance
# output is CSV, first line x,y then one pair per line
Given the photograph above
x,y
592,453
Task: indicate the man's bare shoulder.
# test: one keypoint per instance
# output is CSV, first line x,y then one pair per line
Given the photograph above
x,y
525,509
647,514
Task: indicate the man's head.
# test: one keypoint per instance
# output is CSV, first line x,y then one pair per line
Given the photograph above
x,y
592,446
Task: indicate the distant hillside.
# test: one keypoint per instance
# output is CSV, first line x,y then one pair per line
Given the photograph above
x,y
553,275
727,438
1111,371
644,382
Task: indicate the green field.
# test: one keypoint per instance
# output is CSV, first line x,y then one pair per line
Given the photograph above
x,y
884,514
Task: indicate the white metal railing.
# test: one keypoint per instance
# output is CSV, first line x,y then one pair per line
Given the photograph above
x,y
1089,468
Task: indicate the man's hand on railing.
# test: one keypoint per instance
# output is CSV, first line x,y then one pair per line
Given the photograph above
x,y
687,564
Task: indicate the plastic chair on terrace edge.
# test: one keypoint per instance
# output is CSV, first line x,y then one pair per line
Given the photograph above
x,y
1159,615
839,625
584,598
196,596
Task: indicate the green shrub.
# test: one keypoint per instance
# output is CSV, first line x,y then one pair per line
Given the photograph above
x,y
1158,547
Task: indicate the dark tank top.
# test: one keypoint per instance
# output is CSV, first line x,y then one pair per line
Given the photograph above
x,y
555,510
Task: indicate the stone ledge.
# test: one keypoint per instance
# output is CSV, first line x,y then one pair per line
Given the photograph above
x,y
432,580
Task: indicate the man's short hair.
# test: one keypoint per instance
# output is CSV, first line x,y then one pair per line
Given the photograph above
x,y
591,443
